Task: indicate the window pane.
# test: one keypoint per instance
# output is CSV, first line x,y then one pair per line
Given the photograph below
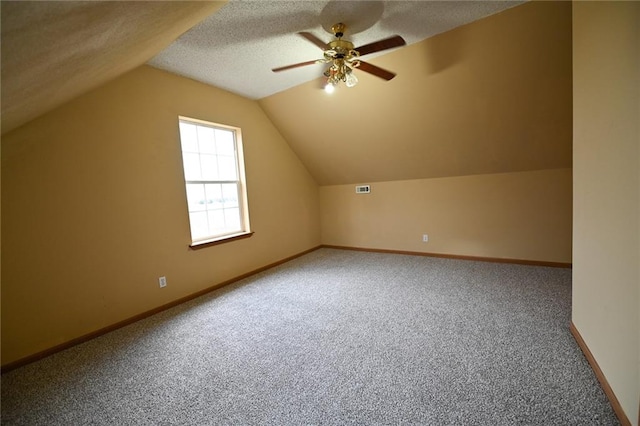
x,y
225,142
205,140
196,197
216,221
232,219
209,167
188,137
230,195
191,164
227,168
199,225
214,195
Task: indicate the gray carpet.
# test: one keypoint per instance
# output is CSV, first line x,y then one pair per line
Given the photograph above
x,y
334,337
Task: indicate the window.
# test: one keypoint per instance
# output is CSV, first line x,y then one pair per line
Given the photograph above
x,y
214,179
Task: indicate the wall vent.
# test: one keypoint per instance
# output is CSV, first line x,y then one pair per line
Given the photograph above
x,y
363,189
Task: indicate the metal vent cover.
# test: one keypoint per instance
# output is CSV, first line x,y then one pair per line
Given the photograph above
x,y
363,189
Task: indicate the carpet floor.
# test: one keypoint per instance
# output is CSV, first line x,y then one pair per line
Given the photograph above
x,y
330,338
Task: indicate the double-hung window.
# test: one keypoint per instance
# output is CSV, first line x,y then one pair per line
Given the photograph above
x,y
214,178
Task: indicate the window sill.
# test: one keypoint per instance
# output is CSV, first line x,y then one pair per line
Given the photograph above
x,y
220,240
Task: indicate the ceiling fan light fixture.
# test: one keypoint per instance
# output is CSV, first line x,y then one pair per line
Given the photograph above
x,y
329,87
341,70
351,79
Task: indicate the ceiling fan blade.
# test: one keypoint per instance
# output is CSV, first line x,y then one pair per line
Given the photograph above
x,y
375,70
288,67
377,46
315,40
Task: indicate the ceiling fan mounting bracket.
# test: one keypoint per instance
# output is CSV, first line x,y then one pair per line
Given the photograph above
x,y
339,29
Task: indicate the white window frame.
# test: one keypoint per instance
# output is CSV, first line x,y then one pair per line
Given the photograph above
x,y
216,237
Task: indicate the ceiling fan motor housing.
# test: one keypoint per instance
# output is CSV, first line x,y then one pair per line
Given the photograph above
x,y
341,47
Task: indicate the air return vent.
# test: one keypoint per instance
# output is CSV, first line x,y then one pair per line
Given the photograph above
x,y
363,189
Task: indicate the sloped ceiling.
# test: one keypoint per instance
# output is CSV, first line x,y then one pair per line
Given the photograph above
x,y
53,51
488,97
493,96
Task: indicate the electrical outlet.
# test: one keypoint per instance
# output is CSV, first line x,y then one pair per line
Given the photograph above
x,y
425,238
162,281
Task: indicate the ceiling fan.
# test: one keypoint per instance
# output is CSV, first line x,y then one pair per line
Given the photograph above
x,y
344,58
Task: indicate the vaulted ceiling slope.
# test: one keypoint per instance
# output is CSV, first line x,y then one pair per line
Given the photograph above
x,y
493,96
490,96
53,51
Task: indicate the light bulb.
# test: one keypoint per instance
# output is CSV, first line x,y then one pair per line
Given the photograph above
x,y
351,80
329,88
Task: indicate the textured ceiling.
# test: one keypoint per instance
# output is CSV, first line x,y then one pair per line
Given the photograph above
x,y
237,47
53,51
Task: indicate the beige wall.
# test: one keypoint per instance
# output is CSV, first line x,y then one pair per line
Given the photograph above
x,y
525,215
94,208
606,239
